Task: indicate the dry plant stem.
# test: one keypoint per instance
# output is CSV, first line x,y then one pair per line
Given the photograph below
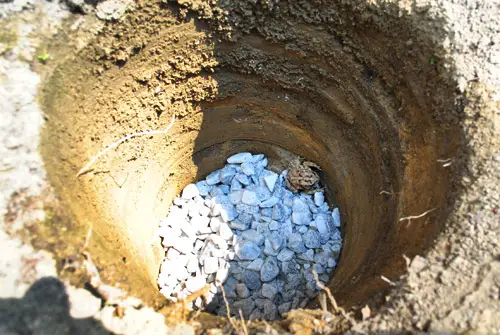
x,y
120,141
333,302
322,302
231,321
328,292
243,325
412,217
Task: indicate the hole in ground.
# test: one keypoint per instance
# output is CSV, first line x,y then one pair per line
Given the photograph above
x,y
349,88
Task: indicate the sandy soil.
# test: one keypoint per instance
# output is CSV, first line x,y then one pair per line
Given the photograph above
x,y
453,288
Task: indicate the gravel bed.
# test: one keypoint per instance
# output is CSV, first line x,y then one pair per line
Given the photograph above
x,y
242,228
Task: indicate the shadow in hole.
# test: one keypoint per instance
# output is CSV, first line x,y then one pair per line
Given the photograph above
x,y
44,309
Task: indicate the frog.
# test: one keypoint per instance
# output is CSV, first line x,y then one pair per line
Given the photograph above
x,y
303,176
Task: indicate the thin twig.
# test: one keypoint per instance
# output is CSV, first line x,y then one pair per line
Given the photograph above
x,y
227,308
243,325
120,141
412,217
333,302
322,301
327,290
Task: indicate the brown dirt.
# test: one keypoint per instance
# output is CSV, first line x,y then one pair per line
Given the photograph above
x,y
314,79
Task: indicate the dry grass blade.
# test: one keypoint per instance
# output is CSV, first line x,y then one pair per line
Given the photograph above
x,y
115,144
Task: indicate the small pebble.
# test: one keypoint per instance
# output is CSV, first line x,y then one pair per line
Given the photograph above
x,y
312,239
285,255
250,198
279,212
189,192
274,225
319,198
269,270
213,178
248,168
226,174
243,179
270,180
257,157
247,250
284,308
296,243
252,280
299,206
239,158
254,236
269,202
331,263
211,265
256,264
225,231
301,218
194,284
235,185
270,310
242,290
269,291
336,217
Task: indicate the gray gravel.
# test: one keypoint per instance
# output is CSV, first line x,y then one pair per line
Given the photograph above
x,y
242,229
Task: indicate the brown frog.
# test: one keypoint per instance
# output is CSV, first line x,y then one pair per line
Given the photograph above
x,y
303,176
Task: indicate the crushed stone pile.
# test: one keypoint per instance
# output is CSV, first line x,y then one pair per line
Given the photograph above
x,y
242,230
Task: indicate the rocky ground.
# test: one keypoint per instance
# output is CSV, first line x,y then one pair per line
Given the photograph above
x,y
454,289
